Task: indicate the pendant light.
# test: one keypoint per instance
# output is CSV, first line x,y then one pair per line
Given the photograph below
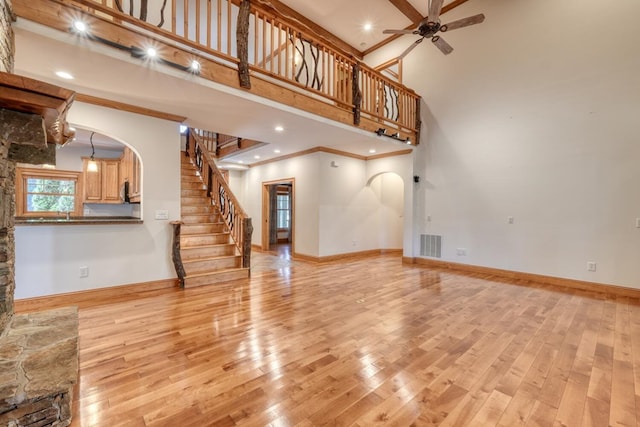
x,y
92,165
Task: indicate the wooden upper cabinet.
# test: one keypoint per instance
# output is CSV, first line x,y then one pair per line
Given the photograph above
x,y
130,172
102,186
111,181
92,183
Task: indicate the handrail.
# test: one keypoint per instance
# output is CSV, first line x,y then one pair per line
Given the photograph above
x,y
237,221
278,51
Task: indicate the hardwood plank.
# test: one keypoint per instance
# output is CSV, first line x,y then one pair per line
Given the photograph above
x,y
358,342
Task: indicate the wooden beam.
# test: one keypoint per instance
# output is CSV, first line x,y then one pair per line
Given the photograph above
x,y
103,102
407,10
388,40
284,12
51,103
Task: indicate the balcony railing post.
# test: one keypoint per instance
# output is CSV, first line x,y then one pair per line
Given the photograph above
x,y
356,94
242,35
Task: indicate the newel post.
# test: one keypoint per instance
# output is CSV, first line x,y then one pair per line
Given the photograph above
x,y
247,231
242,36
175,254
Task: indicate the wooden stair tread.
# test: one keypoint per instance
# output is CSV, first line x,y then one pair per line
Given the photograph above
x,y
213,258
211,273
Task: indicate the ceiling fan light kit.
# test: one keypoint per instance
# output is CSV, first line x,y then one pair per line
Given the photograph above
x,y
430,26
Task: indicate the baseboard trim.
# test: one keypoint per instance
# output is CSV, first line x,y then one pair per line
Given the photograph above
x,y
92,297
350,256
530,277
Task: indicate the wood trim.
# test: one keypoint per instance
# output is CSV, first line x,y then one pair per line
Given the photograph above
x,y
331,151
265,211
385,155
385,42
407,10
93,297
526,277
351,256
20,197
103,102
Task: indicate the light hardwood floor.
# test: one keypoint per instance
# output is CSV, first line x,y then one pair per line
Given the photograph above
x,y
362,342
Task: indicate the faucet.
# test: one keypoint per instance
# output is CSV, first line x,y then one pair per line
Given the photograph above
x,y
67,214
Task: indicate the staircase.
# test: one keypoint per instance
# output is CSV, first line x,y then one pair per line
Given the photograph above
x,y
208,252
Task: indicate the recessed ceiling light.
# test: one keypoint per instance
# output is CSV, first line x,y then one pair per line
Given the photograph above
x,y
79,26
64,75
279,128
372,151
240,161
368,26
256,157
276,151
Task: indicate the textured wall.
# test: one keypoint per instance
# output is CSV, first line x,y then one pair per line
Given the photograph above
x,y
7,47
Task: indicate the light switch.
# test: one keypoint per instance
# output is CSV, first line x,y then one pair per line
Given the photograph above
x,y
162,214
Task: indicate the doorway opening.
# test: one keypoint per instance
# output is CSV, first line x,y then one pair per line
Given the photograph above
x,y
278,231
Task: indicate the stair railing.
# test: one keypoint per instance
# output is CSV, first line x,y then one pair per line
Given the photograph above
x,y
237,221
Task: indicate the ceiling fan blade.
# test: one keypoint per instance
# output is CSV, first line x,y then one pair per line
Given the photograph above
x,y
464,22
435,6
442,45
410,48
399,32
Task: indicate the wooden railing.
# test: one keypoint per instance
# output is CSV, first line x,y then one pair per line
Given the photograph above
x,y
237,221
277,50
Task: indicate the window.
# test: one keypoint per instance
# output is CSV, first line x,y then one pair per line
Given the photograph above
x,y
283,202
45,192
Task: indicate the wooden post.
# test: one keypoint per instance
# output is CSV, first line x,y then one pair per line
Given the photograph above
x,y
242,36
356,94
247,231
175,255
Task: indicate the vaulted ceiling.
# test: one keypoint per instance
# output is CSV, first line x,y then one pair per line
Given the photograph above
x,y
346,20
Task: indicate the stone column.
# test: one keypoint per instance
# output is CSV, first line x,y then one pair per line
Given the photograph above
x,y
7,179
7,47
7,211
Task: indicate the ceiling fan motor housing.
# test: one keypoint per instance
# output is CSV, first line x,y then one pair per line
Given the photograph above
x,y
428,29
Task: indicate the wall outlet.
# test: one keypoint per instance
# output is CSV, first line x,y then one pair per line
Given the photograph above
x,y
461,251
510,219
84,272
353,243
591,266
162,214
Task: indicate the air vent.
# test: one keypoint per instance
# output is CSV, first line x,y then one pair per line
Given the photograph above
x,y
431,245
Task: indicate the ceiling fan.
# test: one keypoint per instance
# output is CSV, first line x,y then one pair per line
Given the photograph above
x,y
430,26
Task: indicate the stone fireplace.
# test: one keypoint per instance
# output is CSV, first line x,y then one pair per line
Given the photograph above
x,y
38,351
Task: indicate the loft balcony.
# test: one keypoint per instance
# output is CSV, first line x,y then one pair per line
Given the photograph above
x,y
243,46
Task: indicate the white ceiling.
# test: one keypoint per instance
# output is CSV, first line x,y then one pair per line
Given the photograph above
x,y
110,74
346,19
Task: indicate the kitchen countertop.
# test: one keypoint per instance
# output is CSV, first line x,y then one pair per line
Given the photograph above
x,y
77,220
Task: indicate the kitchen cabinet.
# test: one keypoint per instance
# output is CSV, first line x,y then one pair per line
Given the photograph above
x,y
102,186
130,172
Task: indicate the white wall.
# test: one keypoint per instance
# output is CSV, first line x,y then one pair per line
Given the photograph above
x,y
305,170
535,116
336,206
48,258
